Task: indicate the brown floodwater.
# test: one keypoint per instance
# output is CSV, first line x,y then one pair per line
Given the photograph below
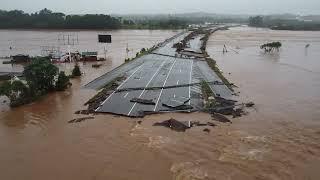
x,y
278,139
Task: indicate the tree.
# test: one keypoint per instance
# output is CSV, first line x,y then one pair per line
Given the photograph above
x,y
63,81
5,88
270,47
40,75
16,91
76,72
256,21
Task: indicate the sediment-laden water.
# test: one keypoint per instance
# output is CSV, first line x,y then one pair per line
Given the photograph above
x,y
278,139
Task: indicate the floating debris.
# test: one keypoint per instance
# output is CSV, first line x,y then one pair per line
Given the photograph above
x,y
250,104
211,124
77,120
86,112
96,65
220,118
207,130
174,125
225,102
182,126
225,110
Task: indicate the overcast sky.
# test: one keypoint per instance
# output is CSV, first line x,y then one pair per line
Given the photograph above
x,y
166,6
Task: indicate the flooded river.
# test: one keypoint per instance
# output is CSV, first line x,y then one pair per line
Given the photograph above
x,y
279,139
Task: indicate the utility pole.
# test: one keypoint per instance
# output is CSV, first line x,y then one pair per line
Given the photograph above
x,y
69,39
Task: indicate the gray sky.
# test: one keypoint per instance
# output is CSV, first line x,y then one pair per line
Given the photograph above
x,y
166,6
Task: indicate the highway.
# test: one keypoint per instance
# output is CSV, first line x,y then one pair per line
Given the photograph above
x,y
154,70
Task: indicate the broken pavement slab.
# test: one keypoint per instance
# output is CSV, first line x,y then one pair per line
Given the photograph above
x,y
220,118
178,103
143,101
181,126
174,125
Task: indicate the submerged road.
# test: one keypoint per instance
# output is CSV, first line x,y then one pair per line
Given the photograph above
x,y
154,70
167,72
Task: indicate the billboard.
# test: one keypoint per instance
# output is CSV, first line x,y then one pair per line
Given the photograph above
x,y
104,38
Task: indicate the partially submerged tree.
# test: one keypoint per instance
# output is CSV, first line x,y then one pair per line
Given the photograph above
x,y
76,72
40,76
270,47
63,81
17,91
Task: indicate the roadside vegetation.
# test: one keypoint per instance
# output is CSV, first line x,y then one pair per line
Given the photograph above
x,y
141,53
207,94
213,65
105,91
41,77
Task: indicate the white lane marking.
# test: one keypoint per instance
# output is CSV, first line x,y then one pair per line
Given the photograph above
x,y
125,95
147,85
118,88
177,82
190,82
180,70
164,85
174,95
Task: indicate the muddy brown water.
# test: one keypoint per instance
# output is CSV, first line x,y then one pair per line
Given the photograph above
x,y
278,139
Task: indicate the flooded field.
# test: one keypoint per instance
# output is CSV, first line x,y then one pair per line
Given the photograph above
x,y
32,43
279,139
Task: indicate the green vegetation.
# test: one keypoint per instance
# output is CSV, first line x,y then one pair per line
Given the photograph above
x,y
63,82
270,47
55,20
96,100
40,77
76,72
46,19
17,92
277,23
213,65
142,52
256,21
207,94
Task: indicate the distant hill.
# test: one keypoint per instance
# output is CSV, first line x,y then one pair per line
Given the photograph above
x,y
315,18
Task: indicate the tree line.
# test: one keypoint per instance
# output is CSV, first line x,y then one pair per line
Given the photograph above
x,y
283,24
47,19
